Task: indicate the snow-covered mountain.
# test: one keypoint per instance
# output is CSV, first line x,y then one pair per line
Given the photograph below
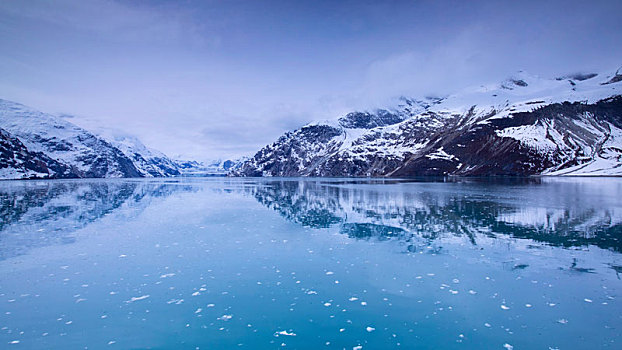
x,y
526,125
148,161
40,145
210,168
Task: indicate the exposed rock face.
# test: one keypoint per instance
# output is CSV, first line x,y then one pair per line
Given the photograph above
x,y
524,126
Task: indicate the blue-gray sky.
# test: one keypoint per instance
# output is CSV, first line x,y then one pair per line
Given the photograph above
x,y
209,79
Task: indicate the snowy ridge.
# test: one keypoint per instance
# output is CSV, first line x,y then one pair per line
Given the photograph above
x,y
40,145
525,125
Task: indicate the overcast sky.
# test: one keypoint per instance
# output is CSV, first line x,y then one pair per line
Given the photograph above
x,y
209,79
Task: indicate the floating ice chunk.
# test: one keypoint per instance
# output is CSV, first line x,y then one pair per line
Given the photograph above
x,y
166,275
290,334
122,256
353,299
330,273
198,311
504,307
133,299
111,342
508,346
14,342
562,321
587,300
370,329
327,304
528,305
309,292
225,317
487,325
358,347
195,294
211,305
364,303
471,291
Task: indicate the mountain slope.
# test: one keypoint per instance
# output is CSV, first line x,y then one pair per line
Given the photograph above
x,y
40,145
524,126
149,162
20,163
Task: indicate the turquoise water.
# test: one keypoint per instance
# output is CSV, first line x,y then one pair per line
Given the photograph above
x,y
311,264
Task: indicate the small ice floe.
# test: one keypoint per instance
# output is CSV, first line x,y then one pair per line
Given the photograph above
x,y
487,325
211,305
80,300
504,307
122,256
508,346
364,303
358,347
455,280
453,291
327,304
111,342
166,275
225,317
14,342
341,330
472,292
330,273
353,299
198,311
552,304
289,334
370,329
196,294
175,301
587,300
103,316
133,299
309,292
562,321
528,305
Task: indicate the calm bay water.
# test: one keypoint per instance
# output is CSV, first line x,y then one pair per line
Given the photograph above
x,y
311,264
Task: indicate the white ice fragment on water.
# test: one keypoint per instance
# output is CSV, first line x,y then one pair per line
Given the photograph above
x,y
167,275
111,342
211,305
453,291
198,311
330,273
290,334
370,329
14,342
358,347
133,299
528,305
327,304
508,346
364,303
587,300
353,299
341,330
195,294
505,307
487,325
562,321
309,292
225,317
122,256
103,316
